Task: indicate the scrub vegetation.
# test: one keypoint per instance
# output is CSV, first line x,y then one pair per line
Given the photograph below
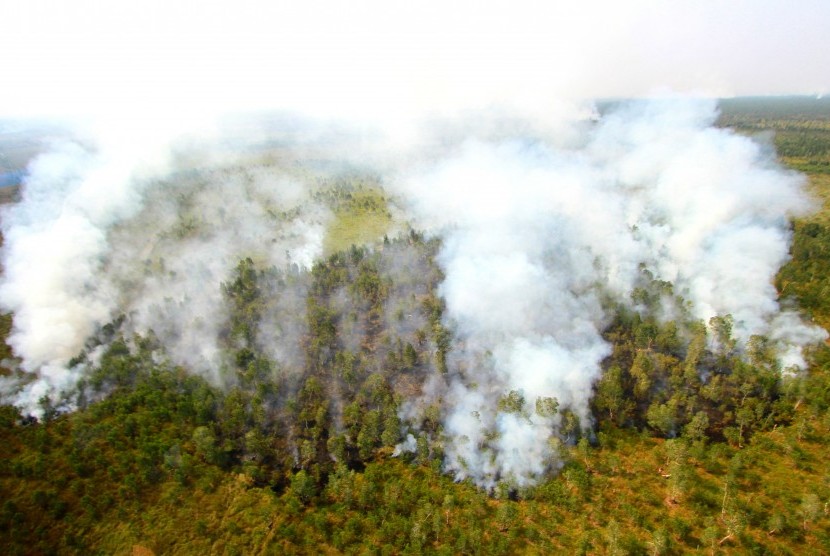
x,y
694,446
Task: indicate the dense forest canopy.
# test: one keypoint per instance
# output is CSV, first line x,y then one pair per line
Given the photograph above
x,y
532,345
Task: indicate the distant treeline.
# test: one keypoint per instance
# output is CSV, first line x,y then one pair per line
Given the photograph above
x,y
799,108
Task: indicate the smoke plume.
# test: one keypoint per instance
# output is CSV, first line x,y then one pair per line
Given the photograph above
x,y
538,230
535,235
104,230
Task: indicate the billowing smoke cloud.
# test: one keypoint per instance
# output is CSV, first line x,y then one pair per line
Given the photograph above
x,y
538,230
109,230
56,241
535,234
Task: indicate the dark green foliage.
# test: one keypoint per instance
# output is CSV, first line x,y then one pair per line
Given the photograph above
x,y
713,390
806,278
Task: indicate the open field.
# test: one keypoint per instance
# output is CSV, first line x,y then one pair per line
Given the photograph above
x,y
363,218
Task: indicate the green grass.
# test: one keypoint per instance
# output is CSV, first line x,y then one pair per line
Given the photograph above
x,y
819,188
361,220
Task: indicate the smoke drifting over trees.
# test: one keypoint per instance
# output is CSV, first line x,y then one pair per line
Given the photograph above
x,y
537,240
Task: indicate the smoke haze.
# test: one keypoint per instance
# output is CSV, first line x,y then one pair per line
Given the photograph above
x,y
389,62
100,233
482,134
535,236
538,232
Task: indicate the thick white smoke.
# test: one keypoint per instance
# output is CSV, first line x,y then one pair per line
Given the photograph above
x,y
537,229
54,252
137,230
535,234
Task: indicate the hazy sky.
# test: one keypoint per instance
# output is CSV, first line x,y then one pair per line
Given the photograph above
x,y
387,59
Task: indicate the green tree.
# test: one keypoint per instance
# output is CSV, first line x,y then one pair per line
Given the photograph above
x,y
662,417
695,429
547,407
303,486
610,395
641,371
205,442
